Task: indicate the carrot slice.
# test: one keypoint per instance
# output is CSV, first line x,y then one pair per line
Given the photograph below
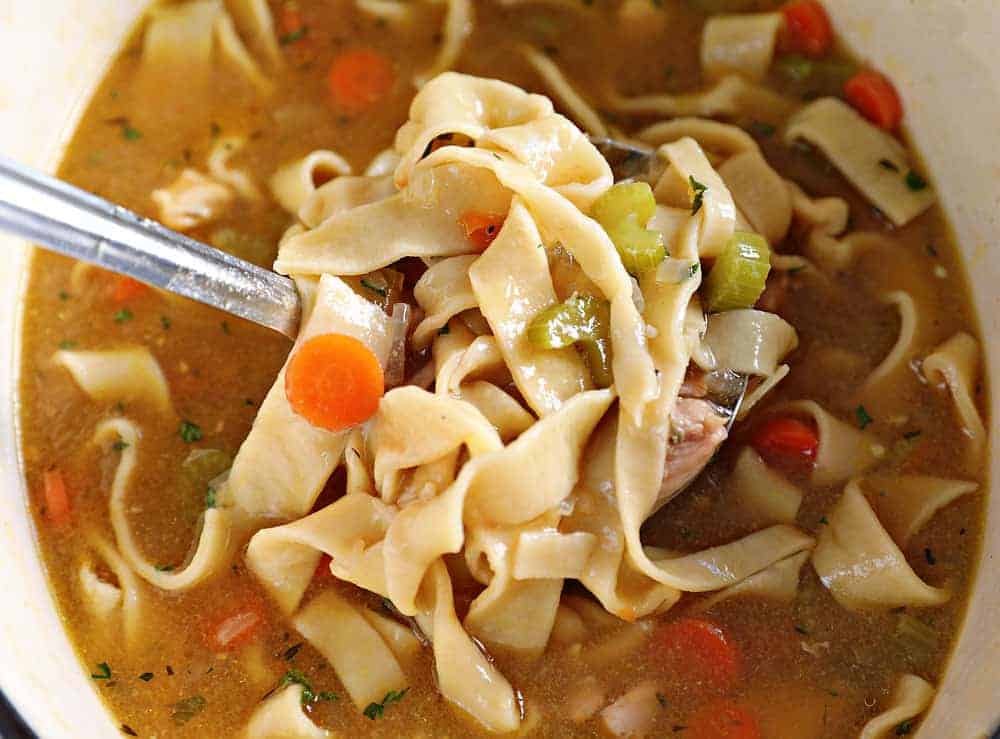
x,y
236,628
57,503
481,228
700,650
360,78
786,440
125,289
723,720
334,382
874,96
807,29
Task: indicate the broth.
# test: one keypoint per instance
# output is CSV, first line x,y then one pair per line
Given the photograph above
x,y
812,668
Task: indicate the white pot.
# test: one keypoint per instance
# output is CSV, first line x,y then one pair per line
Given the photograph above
x,y
942,56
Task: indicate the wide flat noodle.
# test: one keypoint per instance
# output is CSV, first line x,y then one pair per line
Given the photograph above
x,y
364,664
760,193
955,364
511,283
903,351
280,716
716,138
906,503
192,200
459,21
125,375
217,162
751,342
859,149
739,44
757,394
764,495
253,19
296,182
508,417
443,291
214,545
859,563
911,697
778,582
232,48
105,599
343,193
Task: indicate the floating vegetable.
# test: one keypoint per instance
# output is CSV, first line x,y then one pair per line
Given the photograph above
x,y
739,274
623,211
580,319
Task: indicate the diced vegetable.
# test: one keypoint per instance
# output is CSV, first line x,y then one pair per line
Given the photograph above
x,y
57,503
875,97
807,28
786,440
723,720
634,713
125,289
236,628
739,274
699,650
623,212
580,319
481,228
360,78
334,382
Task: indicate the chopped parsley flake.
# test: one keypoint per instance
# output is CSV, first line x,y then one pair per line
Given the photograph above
x,y
931,251
904,728
910,435
915,182
210,498
67,344
103,672
120,446
63,295
293,650
444,330
381,291
699,194
215,129
825,521
762,129
190,432
146,677
165,322
164,568
802,630
249,402
185,710
888,164
929,556
225,328
292,36
124,315
661,699
377,710
128,730
308,694
131,134
863,418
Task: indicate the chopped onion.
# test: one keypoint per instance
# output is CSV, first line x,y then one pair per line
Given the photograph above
x,y
399,324
633,714
637,296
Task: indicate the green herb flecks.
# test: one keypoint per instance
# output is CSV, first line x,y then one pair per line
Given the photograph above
x,y
699,191
63,295
165,322
183,711
292,36
444,330
130,133
380,291
190,432
308,694
761,128
67,344
146,677
377,710
290,653
103,672
164,568
120,446
929,556
904,728
210,498
915,182
124,315
862,415
888,164
824,521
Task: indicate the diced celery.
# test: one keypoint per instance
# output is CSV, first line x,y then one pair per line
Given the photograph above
x,y
580,319
739,274
623,212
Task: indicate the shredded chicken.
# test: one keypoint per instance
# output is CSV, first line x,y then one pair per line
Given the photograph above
x,y
697,430
192,200
632,715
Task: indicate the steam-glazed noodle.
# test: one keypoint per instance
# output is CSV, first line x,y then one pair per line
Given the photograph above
x,y
441,518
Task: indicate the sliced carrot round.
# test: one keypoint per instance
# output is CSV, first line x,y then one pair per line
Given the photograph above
x,y
786,440
334,382
723,720
807,29
874,96
360,78
236,628
700,650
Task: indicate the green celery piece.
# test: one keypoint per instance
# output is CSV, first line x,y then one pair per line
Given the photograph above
x,y
580,319
739,274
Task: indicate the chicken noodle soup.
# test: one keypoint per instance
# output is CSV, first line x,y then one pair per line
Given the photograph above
x,y
494,486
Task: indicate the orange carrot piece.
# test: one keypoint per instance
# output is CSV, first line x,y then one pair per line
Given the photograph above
x,y
786,440
807,29
125,289
723,720
360,78
481,228
57,503
334,382
236,628
700,650
874,96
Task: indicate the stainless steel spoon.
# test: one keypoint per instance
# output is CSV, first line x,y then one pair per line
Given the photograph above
x,y
70,221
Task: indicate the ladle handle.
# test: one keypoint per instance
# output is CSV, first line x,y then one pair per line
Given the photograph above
x,y
70,221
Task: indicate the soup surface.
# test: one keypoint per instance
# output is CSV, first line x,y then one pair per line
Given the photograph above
x,y
812,645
